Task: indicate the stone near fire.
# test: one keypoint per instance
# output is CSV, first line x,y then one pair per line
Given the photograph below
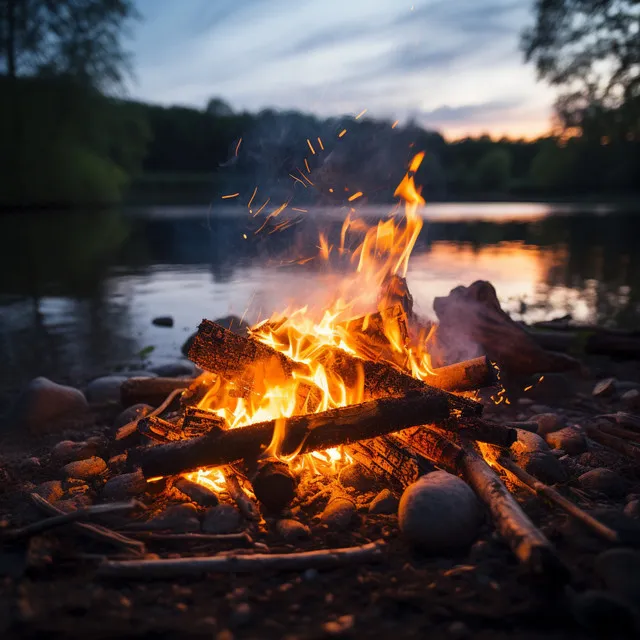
x,y
631,399
548,423
603,614
439,512
384,503
73,504
176,369
224,518
570,439
619,569
132,413
356,476
603,481
632,509
46,407
604,388
163,321
196,492
51,491
181,518
124,486
105,390
68,451
85,469
339,512
532,453
292,530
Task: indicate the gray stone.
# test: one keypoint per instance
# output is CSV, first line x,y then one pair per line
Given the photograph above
x,y
356,476
241,614
51,491
631,399
439,512
292,530
603,614
181,518
604,388
385,503
132,413
224,518
339,512
528,442
570,439
632,509
85,469
619,569
196,492
47,407
163,321
124,486
105,390
68,451
532,453
603,481
176,369
548,422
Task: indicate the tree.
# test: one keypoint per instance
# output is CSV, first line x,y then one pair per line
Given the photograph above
x,y
493,172
218,107
76,38
591,50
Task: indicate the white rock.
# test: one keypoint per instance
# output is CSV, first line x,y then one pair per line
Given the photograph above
x,y
339,512
105,389
292,530
604,388
46,407
532,453
224,518
439,512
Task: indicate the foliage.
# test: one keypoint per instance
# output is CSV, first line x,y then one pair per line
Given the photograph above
x,y
494,170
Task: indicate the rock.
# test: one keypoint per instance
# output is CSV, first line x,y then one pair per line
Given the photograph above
x,y
132,413
104,390
603,481
439,512
196,492
292,530
51,491
548,422
163,321
85,469
632,509
458,630
124,486
604,388
47,407
528,442
176,369
340,626
532,453
603,614
385,502
356,476
339,512
629,420
570,439
186,345
224,518
181,518
68,451
73,504
619,569
241,614
631,399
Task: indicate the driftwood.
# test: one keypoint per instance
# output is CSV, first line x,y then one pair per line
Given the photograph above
x,y
543,490
620,432
175,568
151,391
241,539
95,531
245,504
302,434
472,317
617,444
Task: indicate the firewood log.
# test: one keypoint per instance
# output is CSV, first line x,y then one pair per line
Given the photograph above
x,y
301,433
273,484
151,391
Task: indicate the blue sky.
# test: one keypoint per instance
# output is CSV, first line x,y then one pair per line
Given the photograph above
x,y
453,65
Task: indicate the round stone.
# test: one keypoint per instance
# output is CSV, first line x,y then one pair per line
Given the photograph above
x,y
85,469
603,481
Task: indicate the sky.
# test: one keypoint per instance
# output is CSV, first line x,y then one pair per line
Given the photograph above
x,y
450,65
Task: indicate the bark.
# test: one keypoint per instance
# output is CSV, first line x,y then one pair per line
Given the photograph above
x,y
617,444
273,484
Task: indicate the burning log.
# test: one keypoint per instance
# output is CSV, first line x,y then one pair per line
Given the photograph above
x,y
273,484
302,434
468,375
483,431
151,391
176,568
245,504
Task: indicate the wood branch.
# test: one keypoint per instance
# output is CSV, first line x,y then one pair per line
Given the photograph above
x,y
85,513
434,446
483,431
220,351
301,434
243,538
151,391
471,317
198,422
95,531
617,444
159,430
390,460
273,484
244,503
620,432
467,375
176,568
543,490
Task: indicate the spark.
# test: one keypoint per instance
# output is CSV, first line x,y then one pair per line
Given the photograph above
x,y
244,235
361,114
231,195
320,143
298,180
238,146
262,207
301,210
311,147
395,124
252,197
305,177
529,387
342,133
306,164
330,190
541,378
355,196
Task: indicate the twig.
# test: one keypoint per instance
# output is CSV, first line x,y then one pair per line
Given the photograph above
x,y
130,427
538,488
174,568
237,538
617,444
67,518
96,531
620,432
246,505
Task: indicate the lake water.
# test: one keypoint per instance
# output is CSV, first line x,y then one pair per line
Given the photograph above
x,y
78,290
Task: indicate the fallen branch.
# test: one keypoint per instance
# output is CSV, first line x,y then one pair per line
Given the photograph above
x,y
176,568
617,444
620,432
540,489
129,428
95,531
235,538
302,434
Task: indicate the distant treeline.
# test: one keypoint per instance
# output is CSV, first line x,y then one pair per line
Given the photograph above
x,y
66,144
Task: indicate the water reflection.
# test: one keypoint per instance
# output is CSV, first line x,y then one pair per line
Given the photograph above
x,y
78,291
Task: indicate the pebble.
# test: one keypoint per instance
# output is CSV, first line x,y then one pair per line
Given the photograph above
x,y
105,390
548,422
176,369
132,413
339,626
292,530
339,512
356,476
604,388
124,486
439,512
619,569
532,453
197,492
570,439
163,321
603,614
85,469
181,518
51,491
458,630
224,518
632,509
68,451
241,614
385,502
45,407
603,481
631,399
